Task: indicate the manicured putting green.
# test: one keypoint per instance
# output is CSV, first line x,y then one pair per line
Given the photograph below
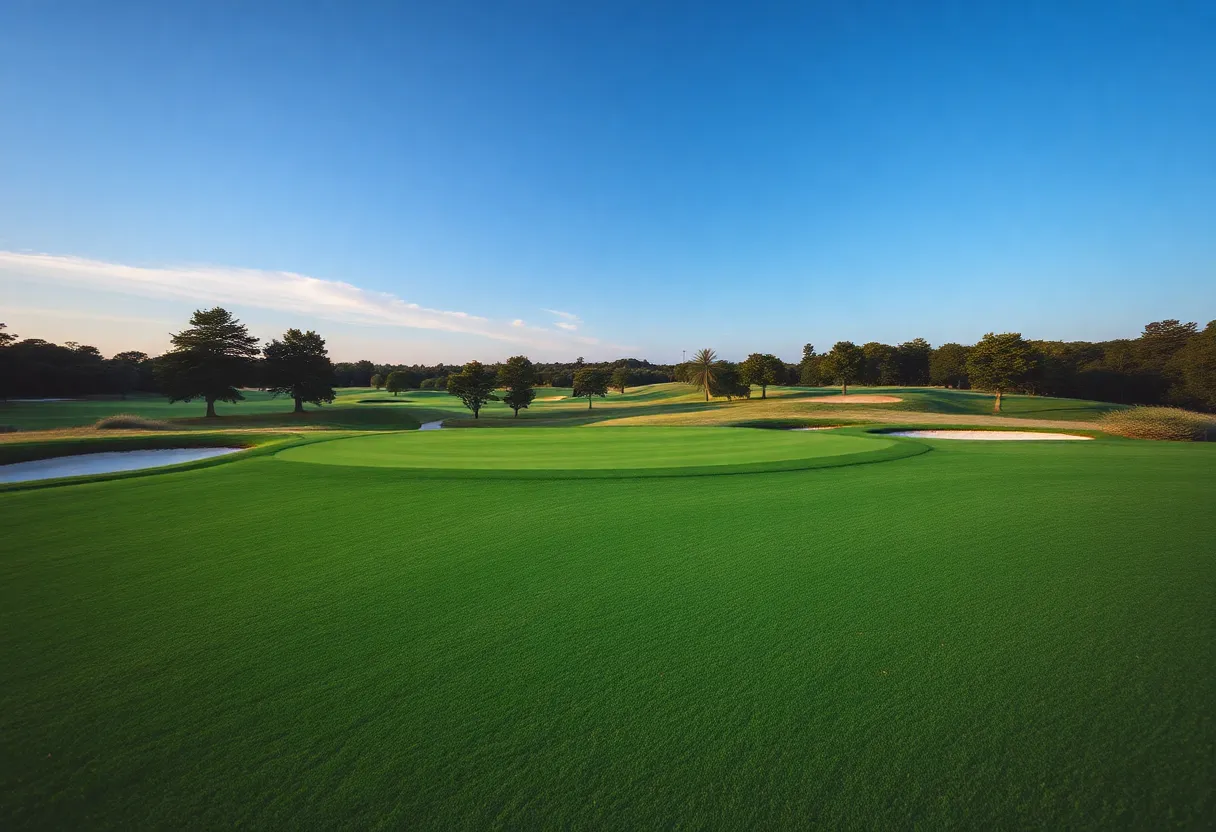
x,y
593,450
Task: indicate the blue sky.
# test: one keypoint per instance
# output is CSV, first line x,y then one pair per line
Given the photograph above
x,y
438,181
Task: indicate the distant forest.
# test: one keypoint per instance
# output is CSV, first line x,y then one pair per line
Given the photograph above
x,y
1170,362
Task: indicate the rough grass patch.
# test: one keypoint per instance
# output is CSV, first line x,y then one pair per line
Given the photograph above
x,y
1163,423
130,421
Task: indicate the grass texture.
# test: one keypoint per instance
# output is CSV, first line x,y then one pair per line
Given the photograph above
x,y
1162,423
988,635
130,421
621,451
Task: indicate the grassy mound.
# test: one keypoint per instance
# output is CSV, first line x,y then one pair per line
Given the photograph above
x,y
1166,423
130,421
601,452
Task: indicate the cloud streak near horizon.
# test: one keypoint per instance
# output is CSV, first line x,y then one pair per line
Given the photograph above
x,y
282,291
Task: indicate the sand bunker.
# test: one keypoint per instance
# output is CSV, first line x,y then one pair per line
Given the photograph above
x,y
106,462
551,399
855,398
985,435
436,425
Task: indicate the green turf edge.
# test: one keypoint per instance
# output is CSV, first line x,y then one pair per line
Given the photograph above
x,y
898,450
255,444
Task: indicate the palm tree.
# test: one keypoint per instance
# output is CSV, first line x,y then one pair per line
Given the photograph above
x,y
701,370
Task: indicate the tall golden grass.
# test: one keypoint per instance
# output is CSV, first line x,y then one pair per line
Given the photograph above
x,y
1167,423
130,421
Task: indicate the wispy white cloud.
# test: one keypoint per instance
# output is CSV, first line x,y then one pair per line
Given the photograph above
x,y
282,291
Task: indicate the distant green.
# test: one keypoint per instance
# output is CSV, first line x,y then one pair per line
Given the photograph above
x,y
580,448
985,636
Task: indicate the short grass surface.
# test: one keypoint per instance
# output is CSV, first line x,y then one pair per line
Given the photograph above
x,y
985,636
577,448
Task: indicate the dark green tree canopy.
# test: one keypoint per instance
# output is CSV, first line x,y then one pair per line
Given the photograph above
x,y
518,376
621,376
729,383
208,360
912,362
843,364
474,386
999,362
948,366
399,380
763,369
299,366
591,381
377,380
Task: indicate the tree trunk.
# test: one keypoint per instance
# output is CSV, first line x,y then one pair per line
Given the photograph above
x,y
844,388
211,408
764,391
476,410
707,392
588,402
299,406
997,407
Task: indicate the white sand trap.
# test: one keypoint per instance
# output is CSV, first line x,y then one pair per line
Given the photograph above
x,y
551,399
105,463
436,425
854,398
986,435
826,427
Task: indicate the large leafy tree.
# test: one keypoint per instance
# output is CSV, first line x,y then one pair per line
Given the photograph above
x,y
881,365
474,386
912,359
999,362
702,371
809,370
398,380
6,338
728,382
208,360
591,381
299,366
621,376
376,380
518,376
761,369
843,364
1197,365
948,366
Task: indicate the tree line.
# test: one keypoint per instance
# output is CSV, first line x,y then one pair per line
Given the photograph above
x,y
1171,362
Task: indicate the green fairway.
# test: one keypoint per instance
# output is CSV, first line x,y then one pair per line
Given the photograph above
x,y
364,408
259,409
987,635
568,449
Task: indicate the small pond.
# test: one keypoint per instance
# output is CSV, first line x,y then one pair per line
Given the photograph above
x,y
106,462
